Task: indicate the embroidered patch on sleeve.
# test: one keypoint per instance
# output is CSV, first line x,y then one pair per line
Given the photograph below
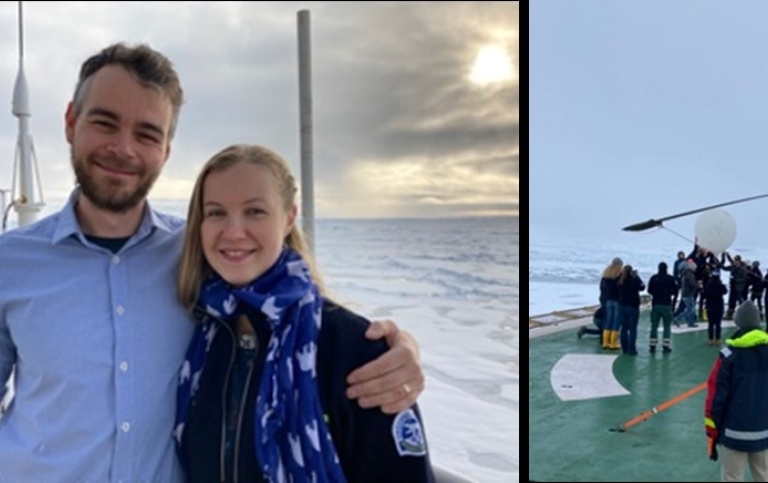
x,y
408,434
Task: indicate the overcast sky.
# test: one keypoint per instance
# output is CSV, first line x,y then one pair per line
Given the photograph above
x,y
415,103
644,110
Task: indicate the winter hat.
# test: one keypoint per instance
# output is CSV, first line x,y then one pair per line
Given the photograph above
x,y
617,261
747,316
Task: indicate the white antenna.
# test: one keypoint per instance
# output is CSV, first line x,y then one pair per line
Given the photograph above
x,y
28,200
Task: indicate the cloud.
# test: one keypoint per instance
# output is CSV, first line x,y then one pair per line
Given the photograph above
x,y
391,93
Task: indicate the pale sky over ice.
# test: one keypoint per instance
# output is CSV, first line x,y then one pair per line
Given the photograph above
x,y
642,111
415,103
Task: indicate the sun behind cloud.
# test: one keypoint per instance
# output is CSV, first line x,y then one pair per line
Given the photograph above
x,y
492,64
410,187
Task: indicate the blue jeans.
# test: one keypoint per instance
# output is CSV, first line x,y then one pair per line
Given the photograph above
x,y
630,316
689,314
612,315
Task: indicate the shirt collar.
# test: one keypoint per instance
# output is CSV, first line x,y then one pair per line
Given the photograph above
x,y
67,224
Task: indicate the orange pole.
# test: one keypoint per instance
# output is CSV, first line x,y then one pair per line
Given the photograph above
x,y
645,415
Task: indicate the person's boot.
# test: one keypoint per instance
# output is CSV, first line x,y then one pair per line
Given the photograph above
x,y
607,339
581,332
728,315
615,340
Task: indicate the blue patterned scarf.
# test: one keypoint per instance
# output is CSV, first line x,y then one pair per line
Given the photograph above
x,y
292,439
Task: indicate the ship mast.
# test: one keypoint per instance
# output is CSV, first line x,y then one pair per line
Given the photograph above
x,y
27,201
27,193
305,121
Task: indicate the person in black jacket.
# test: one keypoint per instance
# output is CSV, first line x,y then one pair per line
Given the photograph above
x,y
756,285
598,318
712,294
677,272
609,298
262,392
662,287
630,287
737,286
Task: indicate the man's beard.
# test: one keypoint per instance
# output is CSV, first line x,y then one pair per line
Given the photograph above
x,y
110,196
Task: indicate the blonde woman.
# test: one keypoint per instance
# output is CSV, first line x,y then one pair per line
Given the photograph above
x,y
609,298
262,392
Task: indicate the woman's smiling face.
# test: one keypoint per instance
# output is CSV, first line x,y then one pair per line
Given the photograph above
x,y
244,222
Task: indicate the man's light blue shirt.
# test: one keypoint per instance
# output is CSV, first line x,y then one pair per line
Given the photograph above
x,y
97,339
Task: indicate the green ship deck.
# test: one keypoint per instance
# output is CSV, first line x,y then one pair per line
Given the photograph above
x,y
580,394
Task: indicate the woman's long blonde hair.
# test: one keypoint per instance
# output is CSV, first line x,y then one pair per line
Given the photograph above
x,y
613,270
194,267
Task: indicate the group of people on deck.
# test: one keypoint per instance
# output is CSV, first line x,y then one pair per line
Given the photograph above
x,y
620,290
695,279
736,423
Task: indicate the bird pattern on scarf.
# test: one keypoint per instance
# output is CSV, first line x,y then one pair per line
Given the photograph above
x,y
292,439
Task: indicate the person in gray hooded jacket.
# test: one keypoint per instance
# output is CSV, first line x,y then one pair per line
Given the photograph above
x,y
688,295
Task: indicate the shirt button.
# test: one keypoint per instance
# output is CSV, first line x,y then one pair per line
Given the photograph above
x,y
120,310
125,427
123,366
115,260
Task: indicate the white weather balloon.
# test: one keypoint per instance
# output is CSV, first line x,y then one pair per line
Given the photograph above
x,y
715,230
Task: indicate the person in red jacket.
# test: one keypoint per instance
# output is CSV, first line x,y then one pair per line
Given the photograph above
x,y
735,418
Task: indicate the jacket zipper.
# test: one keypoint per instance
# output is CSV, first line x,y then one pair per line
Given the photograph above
x,y
223,444
244,397
243,400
